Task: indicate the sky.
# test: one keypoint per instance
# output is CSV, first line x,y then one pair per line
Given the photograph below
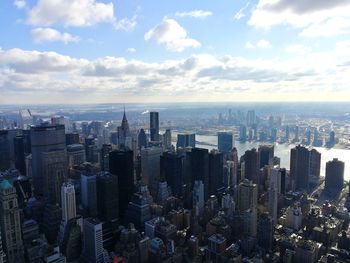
x,y
109,51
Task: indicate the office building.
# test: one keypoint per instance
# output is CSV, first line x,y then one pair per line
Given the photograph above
x,y
124,139
198,196
171,170
300,167
225,142
247,195
154,126
69,210
88,194
51,221
265,232
107,196
2,253
306,251
199,168
93,241
72,241
121,163
5,161
294,217
76,155
251,165
150,167
49,160
19,151
142,139
10,223
334,175
186,140
266,154
216,171
243,133
167,139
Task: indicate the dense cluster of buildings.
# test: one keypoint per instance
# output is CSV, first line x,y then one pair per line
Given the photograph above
x,y
71,195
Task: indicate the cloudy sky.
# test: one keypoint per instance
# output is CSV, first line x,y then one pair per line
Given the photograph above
x,y
97,51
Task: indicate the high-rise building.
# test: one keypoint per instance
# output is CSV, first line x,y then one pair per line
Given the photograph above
x,y
306,251
49,160
242,133
315,166
265,232
52,218
272,202
124,139
76,155
250,220
171,170
294,216
5,161
199,168
93,241
2,253
300,167
107,196
150,167
25,119
198,195
216,171
167,139
10,223
251,119
225,142
266,154
334,175
19,150
142,139
251,165
186,140
247,195
69,210
154,126
88,194
121,163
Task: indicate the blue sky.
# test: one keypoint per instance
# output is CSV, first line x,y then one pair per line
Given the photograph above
x,y
93,51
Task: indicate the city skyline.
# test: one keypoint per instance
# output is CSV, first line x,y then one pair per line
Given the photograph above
x,y
118,51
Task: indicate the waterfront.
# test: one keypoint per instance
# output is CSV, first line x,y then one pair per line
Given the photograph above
x,y
282,151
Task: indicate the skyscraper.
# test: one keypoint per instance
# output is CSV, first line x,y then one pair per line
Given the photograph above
x,y
334,175
198,195
186,140
247,195
171,170
124,139
88,193
93,241
150,167
265,232
154,126
225,142
19,150
49,160
266,154
107,196
216,171
167,139
242,133
10,223
300,167
142,139
251,165
68,202
5,161
121,163
199,168
2,253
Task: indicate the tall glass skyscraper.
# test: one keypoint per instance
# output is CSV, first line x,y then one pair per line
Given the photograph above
x,y
154,126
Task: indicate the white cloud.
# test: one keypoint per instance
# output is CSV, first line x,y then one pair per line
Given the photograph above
x,y
76,13
240,14
33,76
20,4
298,49
126,24
195,14
262,43
131,50
172,34
41,35
313,18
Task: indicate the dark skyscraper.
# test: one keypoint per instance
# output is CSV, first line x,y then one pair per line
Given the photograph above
x,y
5,161
216,171
171,170
121,164
186,140
300,167
251,165
225,141
142,139
334,175
49,160
315,164
107,196
266,154
265,232
154,126
199,168
20,164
